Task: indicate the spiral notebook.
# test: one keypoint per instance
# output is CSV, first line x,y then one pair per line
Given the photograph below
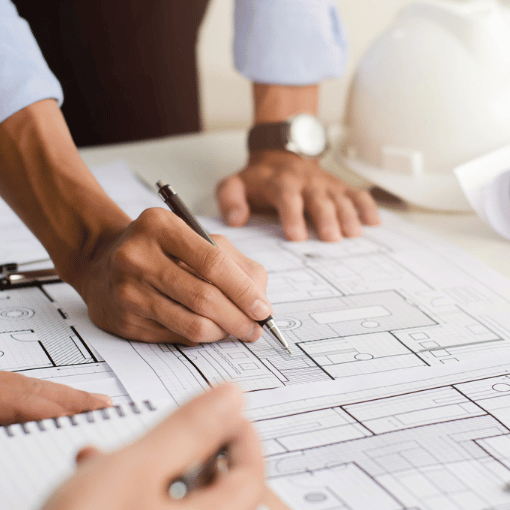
x,y
36,457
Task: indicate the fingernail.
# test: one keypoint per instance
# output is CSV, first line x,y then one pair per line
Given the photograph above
x,y
296,234
260,310
254,333
331,235
233,216
104,398
356,231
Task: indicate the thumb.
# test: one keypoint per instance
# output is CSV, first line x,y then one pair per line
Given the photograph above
x,y
86,453
232,201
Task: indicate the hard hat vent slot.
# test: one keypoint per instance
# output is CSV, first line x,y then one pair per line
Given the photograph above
x,y
402,161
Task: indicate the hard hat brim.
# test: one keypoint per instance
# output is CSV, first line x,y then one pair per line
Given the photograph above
x,y
429,191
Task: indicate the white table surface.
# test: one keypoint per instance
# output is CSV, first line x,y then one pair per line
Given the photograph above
x,y
195,163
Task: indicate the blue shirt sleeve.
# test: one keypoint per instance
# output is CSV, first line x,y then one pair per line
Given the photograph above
x,y
24,75
289,42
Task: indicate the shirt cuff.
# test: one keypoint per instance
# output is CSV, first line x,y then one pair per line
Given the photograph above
x,y
289,42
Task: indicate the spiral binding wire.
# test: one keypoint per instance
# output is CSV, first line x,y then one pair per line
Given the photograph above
x,y
119,411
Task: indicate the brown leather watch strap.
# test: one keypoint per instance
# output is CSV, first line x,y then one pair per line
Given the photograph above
x,y
269,136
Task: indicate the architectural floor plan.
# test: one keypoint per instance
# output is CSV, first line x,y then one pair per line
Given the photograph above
x,y
37,337
396,394
389,301
422,445
38,340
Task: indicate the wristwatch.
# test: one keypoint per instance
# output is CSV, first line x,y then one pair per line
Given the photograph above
x,y
303,134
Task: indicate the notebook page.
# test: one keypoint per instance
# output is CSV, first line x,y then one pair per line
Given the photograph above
x,y
35,458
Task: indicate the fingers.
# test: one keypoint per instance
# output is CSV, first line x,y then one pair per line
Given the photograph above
x,y
150,313
291,211
348,216
366,206
218,268
323,212
139,475
241,487
204,314
25,399
232,201
165,283
295,186
194,432
253,269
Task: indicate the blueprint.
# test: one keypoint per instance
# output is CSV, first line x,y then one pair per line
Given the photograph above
x,y
37,335
37,339
397,298
396,394
439,442
393,300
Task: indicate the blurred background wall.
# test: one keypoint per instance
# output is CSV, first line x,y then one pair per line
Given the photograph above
x,y
225,95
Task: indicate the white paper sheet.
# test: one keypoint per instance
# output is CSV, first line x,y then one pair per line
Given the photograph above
x,y
486,184
396,299
440,440
396,394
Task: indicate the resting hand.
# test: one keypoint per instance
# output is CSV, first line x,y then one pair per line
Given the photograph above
x,y
294,187
159,281
139,475
26,398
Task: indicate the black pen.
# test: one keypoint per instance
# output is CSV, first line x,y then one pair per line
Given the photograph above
x,y
11,274
174,202
200,476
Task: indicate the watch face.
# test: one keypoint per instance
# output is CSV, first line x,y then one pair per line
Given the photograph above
x,y
307,135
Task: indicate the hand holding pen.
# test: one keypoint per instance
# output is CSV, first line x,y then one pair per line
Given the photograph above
x,y
144,474
174,202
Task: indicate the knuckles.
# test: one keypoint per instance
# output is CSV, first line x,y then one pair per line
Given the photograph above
x,y
197,330
129,258
153,219
257,272
214,263
201,297
127,296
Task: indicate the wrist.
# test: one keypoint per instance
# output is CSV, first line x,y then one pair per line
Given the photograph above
x,y
276,103
279,158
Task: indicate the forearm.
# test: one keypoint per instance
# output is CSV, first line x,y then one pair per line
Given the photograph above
x,y
47,184
274,103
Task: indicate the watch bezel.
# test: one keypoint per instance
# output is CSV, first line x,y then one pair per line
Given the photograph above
x,y
279,136
293,145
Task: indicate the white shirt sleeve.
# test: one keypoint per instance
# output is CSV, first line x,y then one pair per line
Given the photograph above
x,y
24,75
289,42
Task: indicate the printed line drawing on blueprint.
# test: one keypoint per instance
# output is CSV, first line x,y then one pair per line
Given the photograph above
x,y
392,299
442,447
397,298
38,340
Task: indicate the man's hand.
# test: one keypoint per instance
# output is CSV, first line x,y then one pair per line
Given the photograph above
x,y
296,188
159,281
153,279
26,399
139,475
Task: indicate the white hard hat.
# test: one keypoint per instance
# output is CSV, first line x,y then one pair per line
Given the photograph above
x,y
431,93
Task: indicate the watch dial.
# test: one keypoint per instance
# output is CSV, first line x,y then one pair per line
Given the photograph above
x,y
308,135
